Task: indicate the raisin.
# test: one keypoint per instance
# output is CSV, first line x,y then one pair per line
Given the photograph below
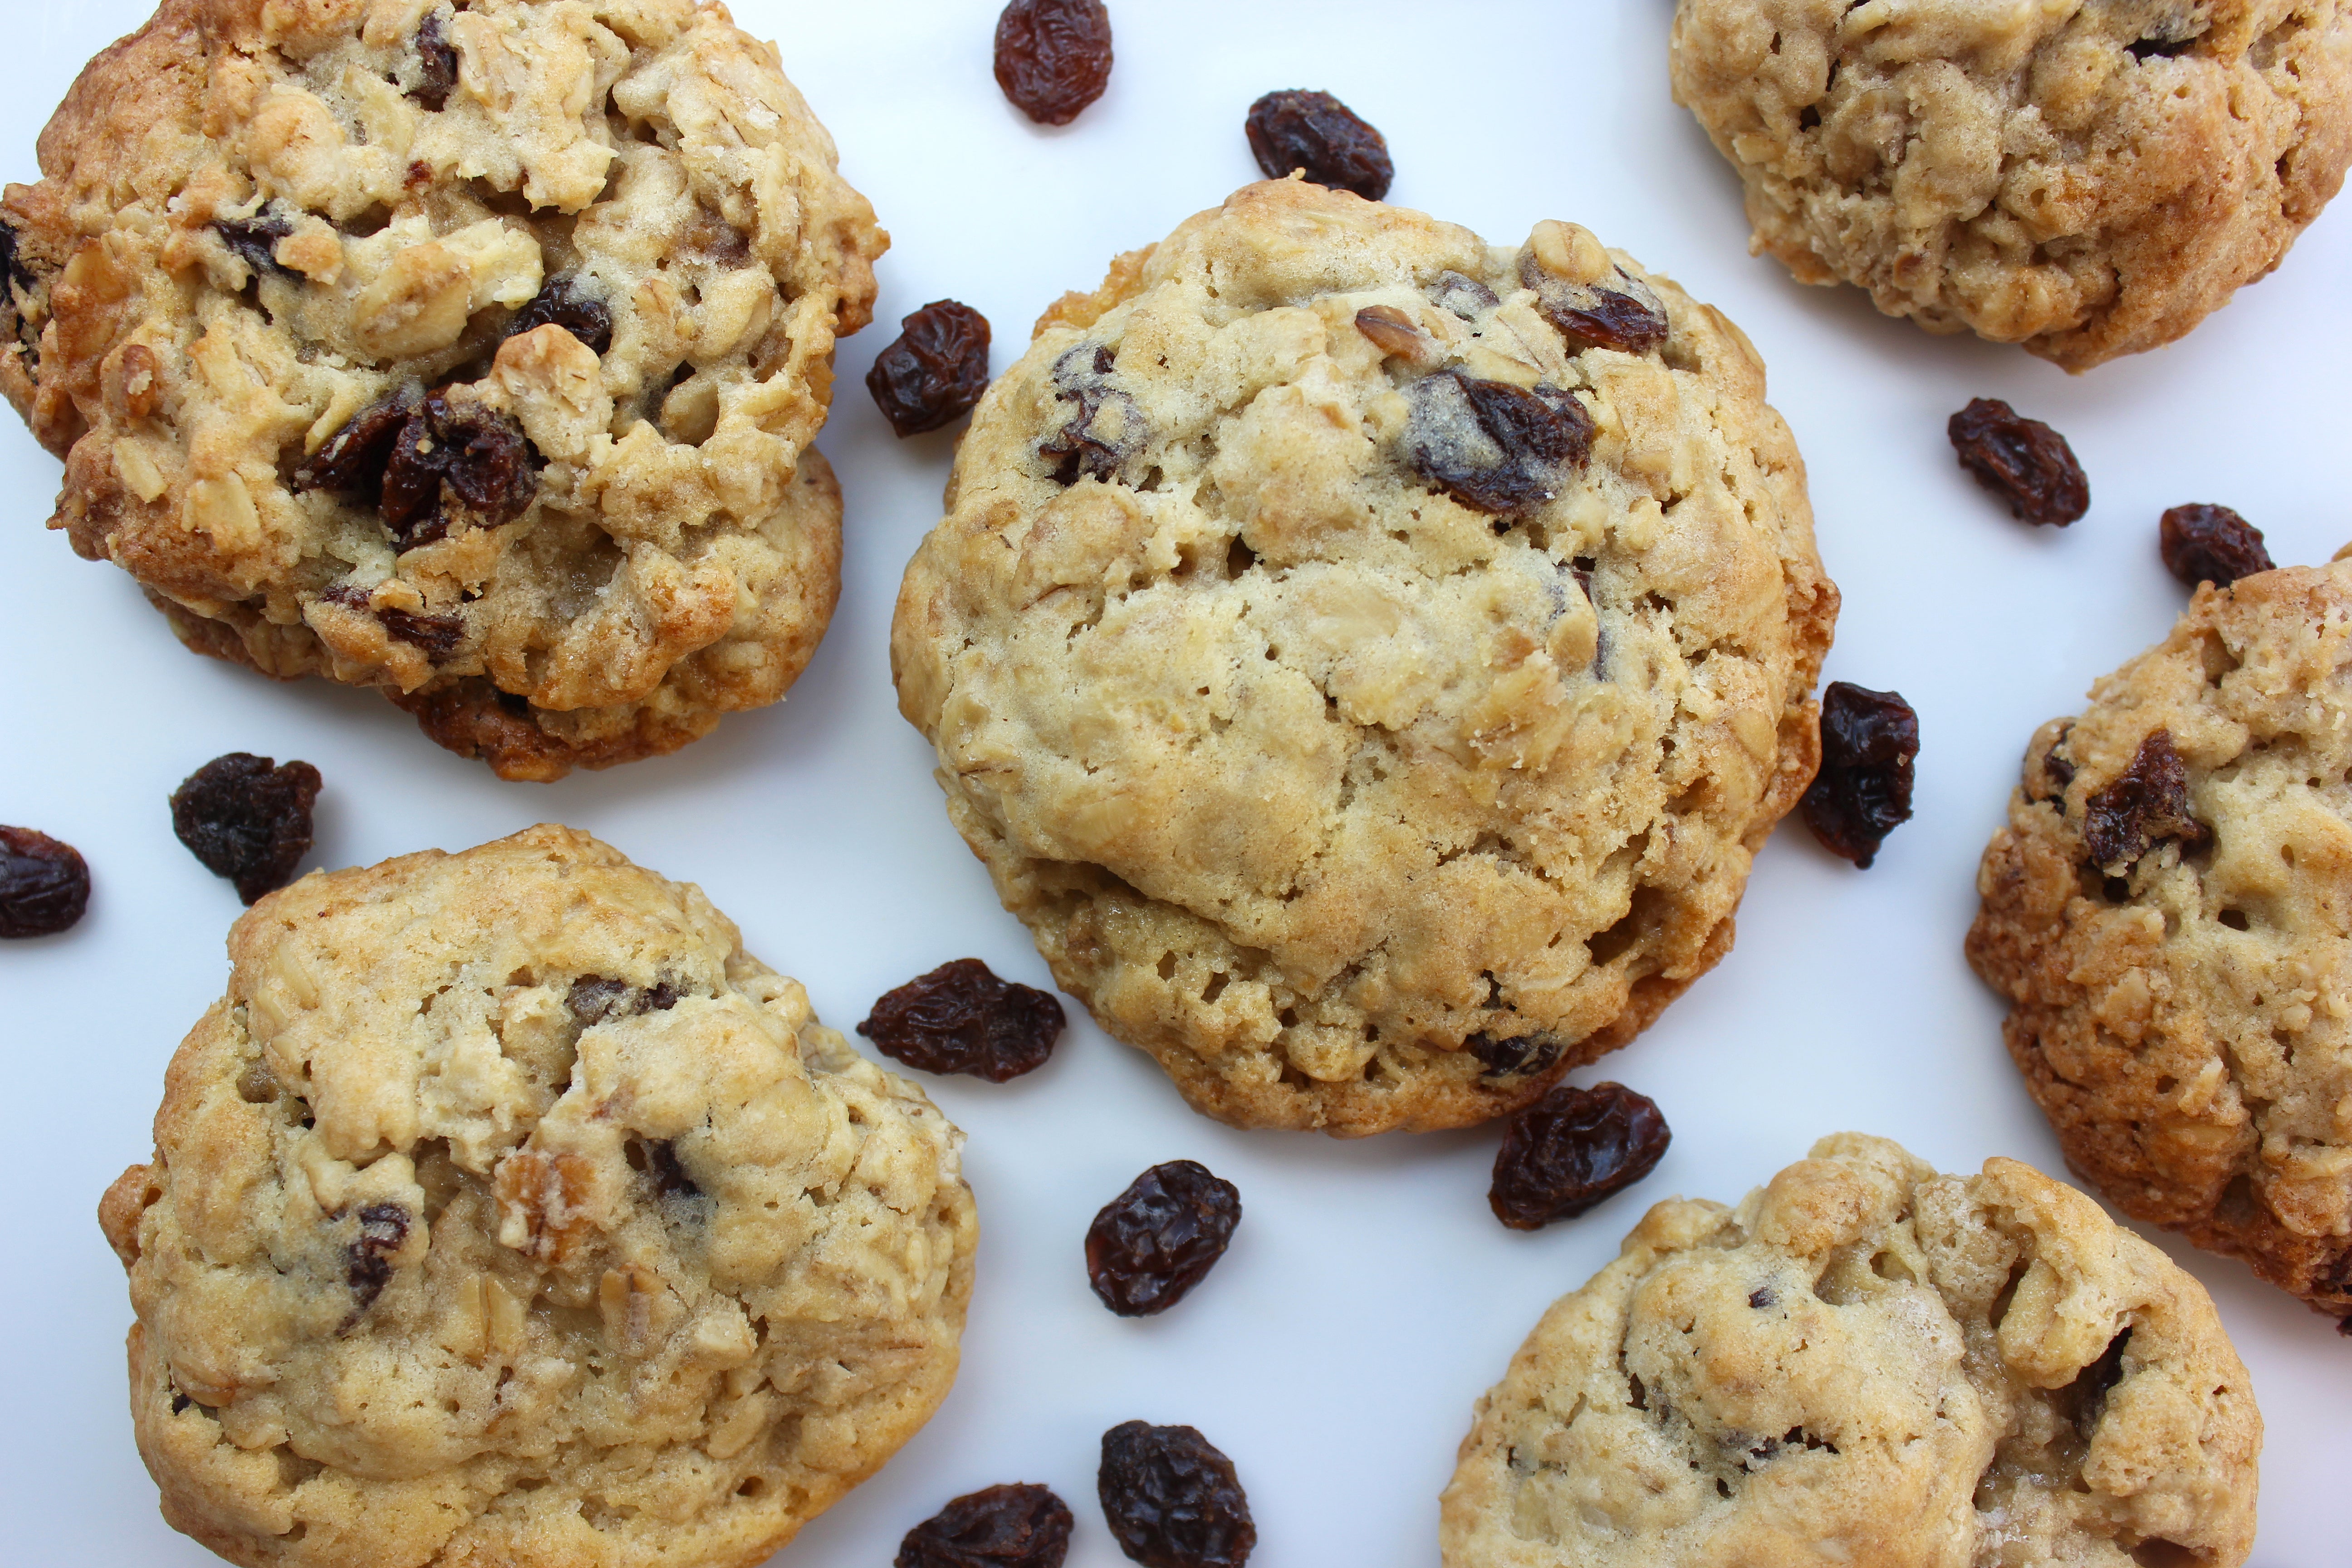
x,y
1106,430
934,370
247,819
254,241
594,998
1863,790
1464,296
1572,1149
961,1019
658,1159
457,464
1021,1526
1171,1500
44,885
2049,781
2205,543
438,635
1494,447
1317,133
437,64
559,303
2083,1401
2146,804
352,459
659,998
2021,460
1151,1244
1521,1055
1628,316
382,1228
1052,56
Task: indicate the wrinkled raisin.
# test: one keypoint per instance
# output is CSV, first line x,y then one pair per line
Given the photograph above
x,y
1151,1244
382,1228
2141,807
593,998
1317,132
437,64
254,241
2021,460
1494,447
1462,295
2205,543
934,371
1052,56
1626,316
1863,790
44,885
438,635
1572,1149
961,1019
247,819
559,303
1520,1056
1108,427
658,1158
352,459
1171,1500
457,464
1020,1526
2049,779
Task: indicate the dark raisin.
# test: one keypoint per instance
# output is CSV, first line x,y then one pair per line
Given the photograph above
x,y
2021,460
594,998
247,819
1171,1500
438,635
437,64
2146,804
659,998
1762,1297
1494,447
352,459
1627,316
1317,132
1021,1526
1572,1149
669,1177
1520,1056
1106,430
2049,781
1052,56
457,465
382,1228
254,241
1465,296
559,303
961,1019
2206,544
934,370
1151,1244
1863,790
44,885
2160,48
10,268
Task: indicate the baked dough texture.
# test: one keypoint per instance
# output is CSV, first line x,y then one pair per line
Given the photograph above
x,y
2181,1005
505,1212
1868,1363
602,242
1357,805
2087,178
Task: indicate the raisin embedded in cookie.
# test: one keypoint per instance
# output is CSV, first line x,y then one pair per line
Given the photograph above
x,y
2087,180
1368,659
506,1211
2166,912
1868,1363
471,352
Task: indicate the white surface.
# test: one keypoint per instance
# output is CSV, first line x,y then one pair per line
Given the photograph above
x,y
1370,1297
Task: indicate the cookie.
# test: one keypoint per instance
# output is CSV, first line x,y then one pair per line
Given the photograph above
x,y
1368,659
506,1211
468,354
1868,1363
2087,179
2166,913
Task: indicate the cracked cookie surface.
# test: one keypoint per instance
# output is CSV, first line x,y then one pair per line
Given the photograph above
x,y
471,351
2088,179
506,1211
1368,659
1868,1363
2166,913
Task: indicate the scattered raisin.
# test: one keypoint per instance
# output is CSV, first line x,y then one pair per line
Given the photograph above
x,y
1052,56
2206,544
559,303
2144,806
2021,460
2047,779
352,459
437,64
1106,430
934,371
247,819
961,1019
1151,1244
44,885
1863,790
1317,132
382,1228
1020,1526
659,998
1520,1056
254,241
1628,316
1494,447
661,1162
1462,295
593,998
457,464
1572,1149
1171,1500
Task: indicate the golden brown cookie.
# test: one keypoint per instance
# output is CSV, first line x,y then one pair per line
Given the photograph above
x,y
505,1212
469,352
1368,659
1868,1363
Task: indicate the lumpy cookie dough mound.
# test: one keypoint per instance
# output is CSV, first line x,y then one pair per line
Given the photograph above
x,y
2087,178
1368,686
467,352
505,1212
2170,913
1867,1363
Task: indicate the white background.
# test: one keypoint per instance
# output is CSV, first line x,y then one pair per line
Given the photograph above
x,y
1370,1296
